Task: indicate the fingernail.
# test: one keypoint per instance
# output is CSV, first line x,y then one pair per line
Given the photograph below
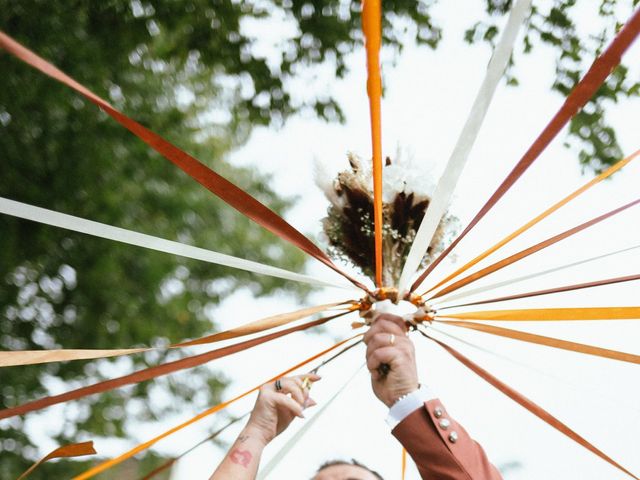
x,y
312,402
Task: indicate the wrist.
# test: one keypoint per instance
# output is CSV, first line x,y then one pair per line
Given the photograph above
x,y
256,434
408,404
399,393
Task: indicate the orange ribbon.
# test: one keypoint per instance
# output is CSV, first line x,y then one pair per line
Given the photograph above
x,y
403,473
548,291
143,446
66,451
538,411
372,29
156,371
216,184
547,341
600,69
550,314
553,208
531,250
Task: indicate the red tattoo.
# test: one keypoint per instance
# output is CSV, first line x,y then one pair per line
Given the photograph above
x,y
241,457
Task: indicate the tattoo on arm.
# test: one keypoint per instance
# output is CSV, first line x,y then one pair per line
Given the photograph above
x,y
240,457
243,438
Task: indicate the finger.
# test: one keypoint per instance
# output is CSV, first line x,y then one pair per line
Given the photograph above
x,y
292,387
382,325
289,405
388,317
314,377
382,355
384,339
307,380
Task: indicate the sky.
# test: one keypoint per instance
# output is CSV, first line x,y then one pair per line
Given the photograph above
x,y
428,96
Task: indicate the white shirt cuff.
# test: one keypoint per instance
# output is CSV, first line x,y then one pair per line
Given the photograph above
x,y
408,404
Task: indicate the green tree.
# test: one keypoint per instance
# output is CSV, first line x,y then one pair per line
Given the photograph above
x,y
190,71
61,289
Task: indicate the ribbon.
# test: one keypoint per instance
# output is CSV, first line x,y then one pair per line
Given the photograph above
x,y
566,288
143,446
66,451
529,405
31,357
460,154
173,460
602,66
101,230
531,250
372,29
492,286
590,390
550,314
403,471
548,341
218,185
156,371
606,174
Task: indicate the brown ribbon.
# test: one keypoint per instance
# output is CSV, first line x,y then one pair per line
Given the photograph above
x,y
546,341
71,450
602,66
227,191
528,251
529,405
566,288
157,371
173,460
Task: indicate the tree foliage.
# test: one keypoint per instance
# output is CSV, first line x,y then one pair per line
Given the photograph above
x,y
192,71
556,24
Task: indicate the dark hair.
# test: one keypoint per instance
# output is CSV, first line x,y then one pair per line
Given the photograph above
x,y
353,462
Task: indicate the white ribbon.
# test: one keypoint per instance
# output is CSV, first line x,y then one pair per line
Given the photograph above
x,y
449,179
69,222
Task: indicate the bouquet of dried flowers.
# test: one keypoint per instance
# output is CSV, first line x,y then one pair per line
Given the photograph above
x,y
349,227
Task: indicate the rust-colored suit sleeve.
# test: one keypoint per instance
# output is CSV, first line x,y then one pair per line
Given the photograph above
x,y
441,448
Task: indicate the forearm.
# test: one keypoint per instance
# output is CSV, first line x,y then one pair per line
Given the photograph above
x,y
243,459
441,447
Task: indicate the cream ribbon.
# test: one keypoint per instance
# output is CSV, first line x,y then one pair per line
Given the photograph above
x,y
449,179
101,230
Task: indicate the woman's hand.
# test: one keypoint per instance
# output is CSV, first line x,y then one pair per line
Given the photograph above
x,y
275,409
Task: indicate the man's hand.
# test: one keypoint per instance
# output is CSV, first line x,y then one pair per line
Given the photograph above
x,y
275,410
387,343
